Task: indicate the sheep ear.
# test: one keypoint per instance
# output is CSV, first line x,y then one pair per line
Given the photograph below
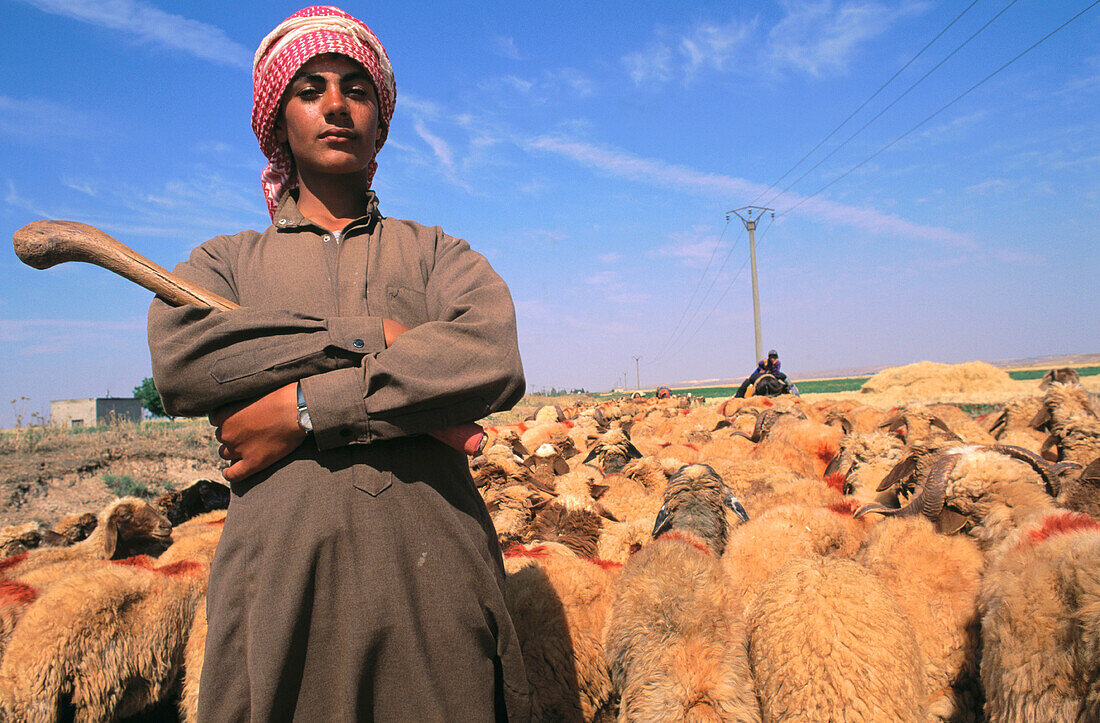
x,y
738,509
110,537
604,512
597,490
632,451
560,465
949,522
1040,419
591,455
663,522
722,424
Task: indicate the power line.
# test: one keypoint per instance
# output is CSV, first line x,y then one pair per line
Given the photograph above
x,y
698,283
892,103
956,99
680,326
864,103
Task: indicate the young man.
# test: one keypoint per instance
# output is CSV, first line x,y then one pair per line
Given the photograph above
x,y
358,576
764,366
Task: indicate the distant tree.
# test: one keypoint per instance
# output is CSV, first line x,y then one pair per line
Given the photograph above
x,y
150,397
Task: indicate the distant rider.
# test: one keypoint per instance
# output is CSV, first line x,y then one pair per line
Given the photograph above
x,y
764,366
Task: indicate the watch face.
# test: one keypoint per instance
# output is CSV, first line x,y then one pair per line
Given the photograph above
x,y
304,421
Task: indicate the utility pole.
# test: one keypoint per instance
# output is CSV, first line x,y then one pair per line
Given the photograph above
x,y
637,373
750,224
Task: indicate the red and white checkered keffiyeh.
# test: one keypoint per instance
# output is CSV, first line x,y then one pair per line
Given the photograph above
x,y
306,34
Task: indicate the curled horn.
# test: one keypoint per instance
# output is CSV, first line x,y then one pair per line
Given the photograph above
x,y
894,420
901,472
1037,463
929,502
758,432
1049,449
1041,419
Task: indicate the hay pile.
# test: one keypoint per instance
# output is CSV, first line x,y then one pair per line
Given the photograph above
x,y
930,379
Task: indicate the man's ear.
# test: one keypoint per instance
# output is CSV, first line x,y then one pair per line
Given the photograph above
x,y
280,130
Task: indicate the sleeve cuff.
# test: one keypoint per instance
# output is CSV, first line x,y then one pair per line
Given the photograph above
x,y
356,334
336,407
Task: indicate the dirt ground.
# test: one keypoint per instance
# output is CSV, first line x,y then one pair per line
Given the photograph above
x,y
46,473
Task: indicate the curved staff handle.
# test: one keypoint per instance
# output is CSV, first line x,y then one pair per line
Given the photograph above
x,y
42,244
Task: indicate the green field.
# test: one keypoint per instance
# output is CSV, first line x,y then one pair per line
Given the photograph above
x,y
846,384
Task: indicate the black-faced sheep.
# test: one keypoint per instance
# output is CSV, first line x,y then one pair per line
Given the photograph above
x,y
612,451
195,499
675,638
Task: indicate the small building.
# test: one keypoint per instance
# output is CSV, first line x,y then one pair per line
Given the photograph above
x,y
95,411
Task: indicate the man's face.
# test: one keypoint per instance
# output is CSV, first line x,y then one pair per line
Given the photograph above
x,y
330,117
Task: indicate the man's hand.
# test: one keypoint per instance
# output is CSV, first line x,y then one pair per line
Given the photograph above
x,y
257,434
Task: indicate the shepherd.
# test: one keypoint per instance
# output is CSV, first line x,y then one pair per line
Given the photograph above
x,y
358,576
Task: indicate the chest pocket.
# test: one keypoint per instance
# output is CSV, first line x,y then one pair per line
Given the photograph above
x,y
406,305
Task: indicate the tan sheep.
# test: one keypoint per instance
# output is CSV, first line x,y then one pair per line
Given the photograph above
x,y
828,642
935,580
675,639
110,640
558,604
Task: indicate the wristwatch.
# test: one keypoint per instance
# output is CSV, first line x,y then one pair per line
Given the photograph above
x,y
303,413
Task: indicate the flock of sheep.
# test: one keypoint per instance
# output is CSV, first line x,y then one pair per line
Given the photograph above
x,y
754,560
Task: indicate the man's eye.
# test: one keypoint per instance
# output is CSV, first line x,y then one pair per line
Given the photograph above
x,y
309,93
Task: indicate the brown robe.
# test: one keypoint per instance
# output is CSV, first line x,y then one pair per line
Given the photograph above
x,y
358,578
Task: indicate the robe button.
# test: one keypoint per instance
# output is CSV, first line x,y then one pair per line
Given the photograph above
x,y
358,344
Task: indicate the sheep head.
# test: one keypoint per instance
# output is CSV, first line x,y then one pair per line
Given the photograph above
x,y
612,451
695,502
130,520
953,501
202,496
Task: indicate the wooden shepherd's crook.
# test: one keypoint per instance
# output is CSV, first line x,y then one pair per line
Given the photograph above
x,y
43,244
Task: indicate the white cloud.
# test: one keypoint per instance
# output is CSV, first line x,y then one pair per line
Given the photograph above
x,y
506,47
438,145
648,170
152,25
35,119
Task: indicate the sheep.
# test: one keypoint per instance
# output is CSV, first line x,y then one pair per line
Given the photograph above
x,y
111,640
935,579
126,527
758,549
199,497
612,451
1040,595
863,461
1016,416
1040,608
558,604
828,642
675,639
917,424
17,539
76,527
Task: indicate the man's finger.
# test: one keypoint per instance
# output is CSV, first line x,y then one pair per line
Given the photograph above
x,y
224,453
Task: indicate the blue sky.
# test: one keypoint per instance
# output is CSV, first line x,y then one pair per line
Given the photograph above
x,y
591,152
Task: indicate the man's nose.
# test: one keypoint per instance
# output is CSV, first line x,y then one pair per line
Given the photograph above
x,y
334,102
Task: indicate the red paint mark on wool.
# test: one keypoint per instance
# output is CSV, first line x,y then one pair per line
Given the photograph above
x,y
181,568
825,452
767,403
17,592
142,561
846,508
692,446
683,412
518,550
836,481
9,562
681,537
1062,523
605,564
217,523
